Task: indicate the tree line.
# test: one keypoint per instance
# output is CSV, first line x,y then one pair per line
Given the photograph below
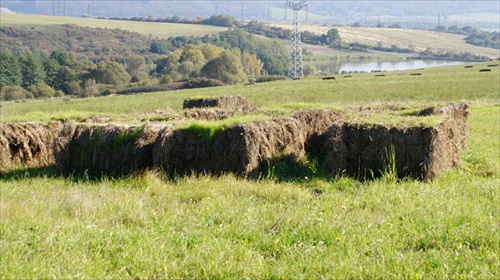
x,y
476,37
233,56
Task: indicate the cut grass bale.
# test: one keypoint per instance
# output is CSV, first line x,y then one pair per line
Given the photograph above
x,y
229,103
365,151
144,144
316,122
25,144
424,152
267,141
108,150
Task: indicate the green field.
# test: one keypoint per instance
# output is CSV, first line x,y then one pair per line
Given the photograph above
x,y
288,224
155,29
435,85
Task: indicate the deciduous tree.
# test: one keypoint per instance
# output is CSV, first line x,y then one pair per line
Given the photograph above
x,y
110,73
252,65
226,68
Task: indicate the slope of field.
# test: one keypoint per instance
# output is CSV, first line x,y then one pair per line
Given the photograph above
x,y
155,29
418,40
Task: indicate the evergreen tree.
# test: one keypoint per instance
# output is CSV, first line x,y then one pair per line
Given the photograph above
x,y
66,80
51,68
10,70
32,71
62,57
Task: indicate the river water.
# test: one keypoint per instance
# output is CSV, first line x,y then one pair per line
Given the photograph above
x,y
337,66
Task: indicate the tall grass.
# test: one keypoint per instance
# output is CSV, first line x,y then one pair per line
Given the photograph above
x,y
292,224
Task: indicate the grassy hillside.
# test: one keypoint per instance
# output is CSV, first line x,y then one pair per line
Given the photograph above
x,y
419,40
155,29
150,226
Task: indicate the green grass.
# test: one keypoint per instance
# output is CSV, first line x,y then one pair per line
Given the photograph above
x,y
291,223
205,130
155,29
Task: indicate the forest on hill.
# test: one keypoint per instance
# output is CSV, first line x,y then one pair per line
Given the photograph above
x,y
45,61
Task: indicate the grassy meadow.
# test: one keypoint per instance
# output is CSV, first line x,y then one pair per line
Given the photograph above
x,y
433,86
287,224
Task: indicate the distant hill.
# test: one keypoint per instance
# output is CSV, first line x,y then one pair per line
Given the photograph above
x,y
412,14
6,11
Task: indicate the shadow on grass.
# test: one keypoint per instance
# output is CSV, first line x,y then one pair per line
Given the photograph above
x,y
281,170
28,173
49,172
286,170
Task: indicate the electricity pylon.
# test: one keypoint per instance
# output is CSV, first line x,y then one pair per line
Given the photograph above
x,y
296,70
